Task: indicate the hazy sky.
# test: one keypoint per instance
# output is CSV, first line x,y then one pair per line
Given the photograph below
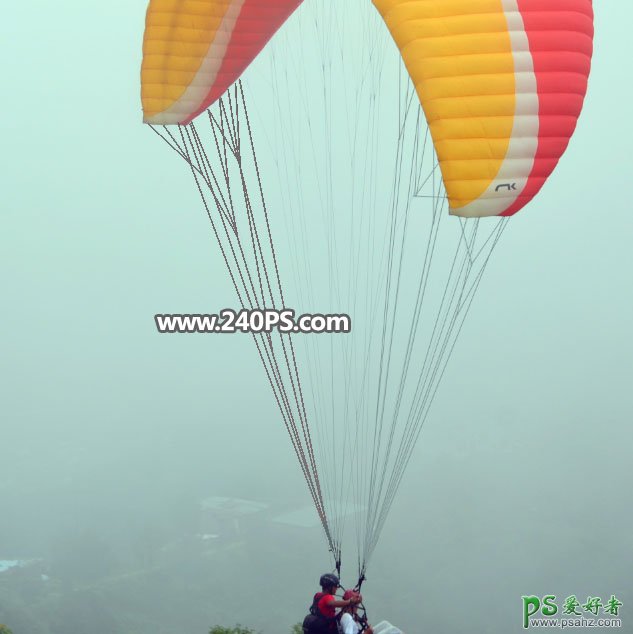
x,y
522,482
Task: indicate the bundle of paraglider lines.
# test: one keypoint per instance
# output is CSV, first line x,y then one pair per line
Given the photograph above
x,y
487,95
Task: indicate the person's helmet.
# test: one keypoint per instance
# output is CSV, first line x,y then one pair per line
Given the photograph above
x,y
328,580
352,594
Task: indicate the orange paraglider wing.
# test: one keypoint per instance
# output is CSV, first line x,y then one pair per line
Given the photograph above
x,y
502,84
193,50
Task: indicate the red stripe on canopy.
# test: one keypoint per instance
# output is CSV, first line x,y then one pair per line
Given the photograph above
x,y
258,21
560,34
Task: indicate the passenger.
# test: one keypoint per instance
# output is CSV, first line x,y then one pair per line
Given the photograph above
x,y
350,621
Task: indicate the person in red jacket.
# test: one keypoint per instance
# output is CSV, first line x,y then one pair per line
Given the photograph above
x,y
323,617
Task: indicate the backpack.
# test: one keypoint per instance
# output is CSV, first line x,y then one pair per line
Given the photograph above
x,y
316,622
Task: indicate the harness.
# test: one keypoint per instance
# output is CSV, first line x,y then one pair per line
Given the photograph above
x,y
360,619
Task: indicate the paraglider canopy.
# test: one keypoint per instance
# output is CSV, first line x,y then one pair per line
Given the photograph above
x,y
501,82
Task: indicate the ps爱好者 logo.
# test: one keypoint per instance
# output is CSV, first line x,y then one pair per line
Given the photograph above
x,y
548,612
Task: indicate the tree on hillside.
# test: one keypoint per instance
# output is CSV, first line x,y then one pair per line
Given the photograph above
x,y
4,629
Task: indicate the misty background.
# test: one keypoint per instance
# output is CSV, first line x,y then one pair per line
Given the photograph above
x,y
116,442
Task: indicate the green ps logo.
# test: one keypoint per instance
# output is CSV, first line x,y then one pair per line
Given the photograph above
x,y
532,605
